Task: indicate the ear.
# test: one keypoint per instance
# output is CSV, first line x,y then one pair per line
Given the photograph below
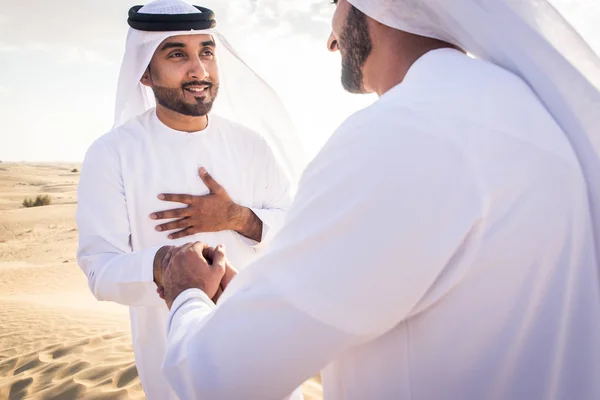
x,y
332,43
146,79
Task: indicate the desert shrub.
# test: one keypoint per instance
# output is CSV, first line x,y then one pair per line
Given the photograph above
x,y
37,202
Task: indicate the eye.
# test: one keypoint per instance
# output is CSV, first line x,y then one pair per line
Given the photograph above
x,y
177,54
208,53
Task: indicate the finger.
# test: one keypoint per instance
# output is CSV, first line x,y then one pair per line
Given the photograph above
x,y
182,233
189,245
177,198
167,258
198,248
208,253
170,255
220,263
176,213
218,257
179,224
209,181
201,248
177,255
184,248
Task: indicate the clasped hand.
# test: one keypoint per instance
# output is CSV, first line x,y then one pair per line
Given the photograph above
x,y
192,265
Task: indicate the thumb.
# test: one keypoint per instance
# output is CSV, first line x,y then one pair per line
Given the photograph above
x,y
220,260
209,181
230,273
218,257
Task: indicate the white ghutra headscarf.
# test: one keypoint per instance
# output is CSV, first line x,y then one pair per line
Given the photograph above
x,y
530,39
244,97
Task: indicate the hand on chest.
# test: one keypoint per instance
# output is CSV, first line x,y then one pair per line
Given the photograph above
x,y
188,200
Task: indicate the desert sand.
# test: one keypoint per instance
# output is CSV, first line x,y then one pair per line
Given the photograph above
x,y
56,340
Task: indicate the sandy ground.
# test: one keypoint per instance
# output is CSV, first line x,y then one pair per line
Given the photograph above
x,y
56,340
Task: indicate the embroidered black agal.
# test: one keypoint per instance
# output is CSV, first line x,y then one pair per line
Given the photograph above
x,y
205,19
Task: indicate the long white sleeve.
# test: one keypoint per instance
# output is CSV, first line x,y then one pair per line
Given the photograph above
x,y
284,347
353,260
275,196
114,271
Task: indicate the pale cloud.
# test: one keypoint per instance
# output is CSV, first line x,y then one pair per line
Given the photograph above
x,y
281,18
39,46
7,48
64,53
67,23
74,55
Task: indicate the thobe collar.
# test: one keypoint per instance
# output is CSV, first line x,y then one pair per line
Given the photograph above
x,y
423,67
158,126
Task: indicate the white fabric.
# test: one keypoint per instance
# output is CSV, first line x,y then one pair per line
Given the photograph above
x,y
168,7
122,175
439,247
532,40
244,97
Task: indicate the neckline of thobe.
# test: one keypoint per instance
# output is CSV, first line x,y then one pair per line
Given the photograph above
x,y
160,127
422,65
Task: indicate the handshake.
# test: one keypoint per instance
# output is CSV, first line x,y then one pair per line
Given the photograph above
x,y
191,266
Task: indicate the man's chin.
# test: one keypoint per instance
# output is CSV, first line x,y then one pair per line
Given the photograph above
x,y
353,87
199,108
201,112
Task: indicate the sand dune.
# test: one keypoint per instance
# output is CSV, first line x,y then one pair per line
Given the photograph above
x,y
54,353
56,340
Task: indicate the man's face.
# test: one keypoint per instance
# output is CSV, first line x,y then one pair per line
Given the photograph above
x,y
183,74
350,35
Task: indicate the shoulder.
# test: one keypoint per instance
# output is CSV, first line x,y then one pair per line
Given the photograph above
x,y
247,138
234,128
114,141
465,86
384,125
387,143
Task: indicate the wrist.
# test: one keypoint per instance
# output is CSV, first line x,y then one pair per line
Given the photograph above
x,y
176,292
238,217
245,222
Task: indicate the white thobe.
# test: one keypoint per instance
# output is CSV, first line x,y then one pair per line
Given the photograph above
x,y
439,247
123,173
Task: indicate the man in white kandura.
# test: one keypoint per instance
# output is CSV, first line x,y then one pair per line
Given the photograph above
x,y
155,156
443,245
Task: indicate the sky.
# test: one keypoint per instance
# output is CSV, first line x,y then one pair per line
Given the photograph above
x,y
59,66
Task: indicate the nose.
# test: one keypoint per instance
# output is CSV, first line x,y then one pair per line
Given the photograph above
x,y
332,43
197,69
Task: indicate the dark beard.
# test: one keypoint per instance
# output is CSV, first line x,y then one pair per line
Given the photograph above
x,y
355,47
172,98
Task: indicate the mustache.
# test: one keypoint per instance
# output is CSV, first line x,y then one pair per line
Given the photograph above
x,y
208,84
